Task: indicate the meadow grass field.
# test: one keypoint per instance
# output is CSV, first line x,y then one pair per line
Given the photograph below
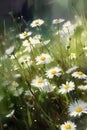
x,y
43,75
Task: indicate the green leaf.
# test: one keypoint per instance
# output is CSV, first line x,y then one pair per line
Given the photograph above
x,y
42,97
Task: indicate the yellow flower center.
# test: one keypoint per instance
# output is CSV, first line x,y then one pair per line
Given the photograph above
x,y
40,81
73,55
79,109
66,86
36,22
24,58
14,84
25,34
49,89
57,20
42,58
67,127
79,73
53,72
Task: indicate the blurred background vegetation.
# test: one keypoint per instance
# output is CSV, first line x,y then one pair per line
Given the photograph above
x,y
46,9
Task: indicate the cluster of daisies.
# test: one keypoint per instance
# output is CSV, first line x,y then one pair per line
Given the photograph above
x,y
46,70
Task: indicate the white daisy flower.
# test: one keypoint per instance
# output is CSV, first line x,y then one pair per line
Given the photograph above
x,y
55,71
73,68
18,92
31,42
17,75
85,48
45,42
66,88
14,84
82,87
9,50
24,59
72,56
38,82
24,35
79,75
57,21
48,87
43,59
68,126
35,40
67,30
67,24
77,108
37,22
15,90
26,43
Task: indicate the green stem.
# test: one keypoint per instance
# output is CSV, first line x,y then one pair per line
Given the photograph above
x,y
47,118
